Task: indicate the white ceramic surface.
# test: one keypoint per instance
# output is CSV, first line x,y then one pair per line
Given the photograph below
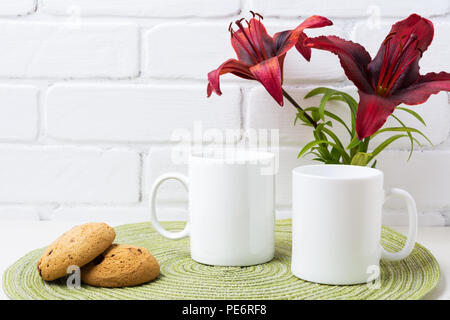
x,y
231,208
336,223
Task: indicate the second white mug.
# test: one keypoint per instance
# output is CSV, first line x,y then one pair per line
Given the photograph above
x,y
336,223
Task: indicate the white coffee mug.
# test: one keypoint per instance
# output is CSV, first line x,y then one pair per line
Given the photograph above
x,y
231,208
336,223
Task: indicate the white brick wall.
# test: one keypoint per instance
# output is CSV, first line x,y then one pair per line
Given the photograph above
x,y
135,113
349,8
91,92
17,7
18,112
173,51
144,8
68,50
68,175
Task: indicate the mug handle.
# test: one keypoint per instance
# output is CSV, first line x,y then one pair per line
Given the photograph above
x,y
412,232
168,176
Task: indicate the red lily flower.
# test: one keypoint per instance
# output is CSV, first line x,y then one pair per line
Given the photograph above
x,y
392,77
260,56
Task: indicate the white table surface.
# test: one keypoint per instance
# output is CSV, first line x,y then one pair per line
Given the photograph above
x,y
19,237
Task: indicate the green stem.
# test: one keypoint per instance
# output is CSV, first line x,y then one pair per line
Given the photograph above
x,y
297,106
366,144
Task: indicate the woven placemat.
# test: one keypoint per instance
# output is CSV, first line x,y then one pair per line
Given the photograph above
x,y
183,278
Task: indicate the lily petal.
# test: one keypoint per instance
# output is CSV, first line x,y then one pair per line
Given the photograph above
x,y
260,38
419,92
252,43
285,40
230,66
300,45
372,113
398,58
414,24
353,57
268,73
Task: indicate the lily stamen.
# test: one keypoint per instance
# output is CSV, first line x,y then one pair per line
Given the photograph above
x,y
398,65
241,27
251,55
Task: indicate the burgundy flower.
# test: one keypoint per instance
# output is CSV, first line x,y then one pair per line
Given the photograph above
x,y
260,56
392,77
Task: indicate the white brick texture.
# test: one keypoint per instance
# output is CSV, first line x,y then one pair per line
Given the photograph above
x,y
17,7
173,50
117,215
426,176
69,50
348,8
161,160
136,112
19,213
18,112
68,175
143,8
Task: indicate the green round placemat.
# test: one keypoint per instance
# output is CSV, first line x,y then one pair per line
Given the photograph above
x,y
183,278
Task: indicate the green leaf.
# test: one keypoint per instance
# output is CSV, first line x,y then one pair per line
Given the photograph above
x,y
333,136
309,146
315,115
386,143
316,143
335,154
411,139
332,116
349,100
397,129
323,103
354,143
338,98
353,105
316,91
314,153
402,129
413,113
361,159
417,141
334,94
374,164
302,117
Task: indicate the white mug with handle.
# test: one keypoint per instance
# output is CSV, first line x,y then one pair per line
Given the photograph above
x,y
336,223
231,208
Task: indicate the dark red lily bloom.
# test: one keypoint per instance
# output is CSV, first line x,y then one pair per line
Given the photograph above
x,y
392,77
260,56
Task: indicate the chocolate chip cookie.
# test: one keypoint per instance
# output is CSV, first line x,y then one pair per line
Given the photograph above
x,y
121,266
75,247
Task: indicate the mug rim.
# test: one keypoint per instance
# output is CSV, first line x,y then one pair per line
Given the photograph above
x,y
238,156
358,172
